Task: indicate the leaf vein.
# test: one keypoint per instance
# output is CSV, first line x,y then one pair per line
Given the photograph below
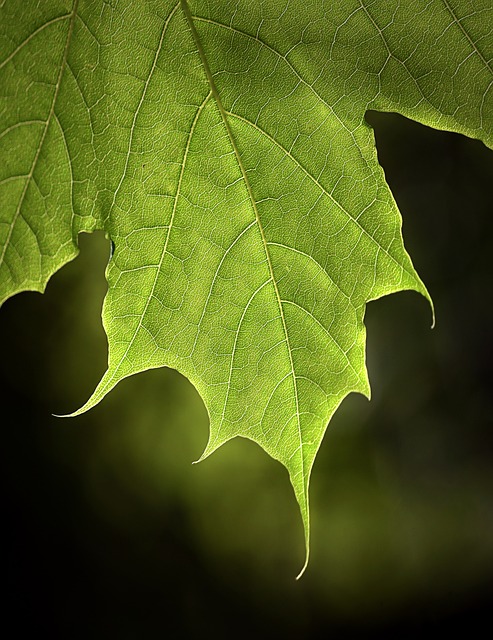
x,y
141,101
65,16
45,130
165,247
321,187
224,115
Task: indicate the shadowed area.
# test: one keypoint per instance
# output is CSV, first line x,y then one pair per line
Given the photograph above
x,y
112,532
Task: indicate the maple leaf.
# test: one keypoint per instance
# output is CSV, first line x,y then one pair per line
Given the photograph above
x,y
223,148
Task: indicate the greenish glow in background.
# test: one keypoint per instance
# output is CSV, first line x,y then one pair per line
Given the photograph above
x,y
112,531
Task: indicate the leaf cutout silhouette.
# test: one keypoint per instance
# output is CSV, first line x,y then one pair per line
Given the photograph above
x,y
223,148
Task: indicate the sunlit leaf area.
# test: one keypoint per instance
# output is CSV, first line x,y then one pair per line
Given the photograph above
x,y
113,532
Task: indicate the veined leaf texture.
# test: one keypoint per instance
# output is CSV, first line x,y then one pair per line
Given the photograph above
x,y
222,146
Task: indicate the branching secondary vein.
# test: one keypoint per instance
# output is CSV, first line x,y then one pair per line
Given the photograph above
x,y
45,130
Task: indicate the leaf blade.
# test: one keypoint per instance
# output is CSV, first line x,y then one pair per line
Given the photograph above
x,y
230,163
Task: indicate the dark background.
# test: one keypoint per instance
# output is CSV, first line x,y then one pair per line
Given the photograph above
x,y
111,532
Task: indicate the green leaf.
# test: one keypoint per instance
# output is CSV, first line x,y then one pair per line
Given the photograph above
x,y
223,148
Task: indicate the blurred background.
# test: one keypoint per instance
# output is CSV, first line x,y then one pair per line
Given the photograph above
x,y
110,531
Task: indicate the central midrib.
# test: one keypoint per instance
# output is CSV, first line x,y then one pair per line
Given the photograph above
x,y
217,98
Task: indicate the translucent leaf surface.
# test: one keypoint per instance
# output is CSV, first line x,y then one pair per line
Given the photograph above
x,y
223,148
